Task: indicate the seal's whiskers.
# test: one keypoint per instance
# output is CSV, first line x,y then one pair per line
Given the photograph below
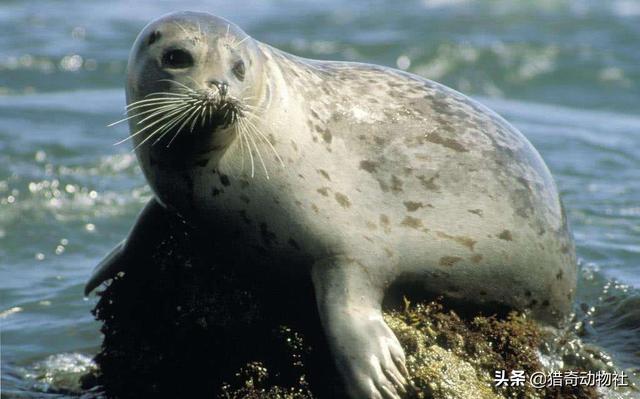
x,y
170,93
186,32
243,133
159,111
235,45
191,114
173,111
174,118
200,108
165,115
154,104
242,150
154,110
257,149
169,125
262,136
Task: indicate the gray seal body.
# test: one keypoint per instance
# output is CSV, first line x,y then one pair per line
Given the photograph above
x,y
368,176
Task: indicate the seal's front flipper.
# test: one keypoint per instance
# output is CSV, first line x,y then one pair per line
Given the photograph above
x,y
149,224
107,268
367,353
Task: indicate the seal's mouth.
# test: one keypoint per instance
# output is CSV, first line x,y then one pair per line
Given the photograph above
x,y
164,117
212,110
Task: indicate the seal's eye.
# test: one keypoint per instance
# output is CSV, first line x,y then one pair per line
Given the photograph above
x,y
177,59
238,69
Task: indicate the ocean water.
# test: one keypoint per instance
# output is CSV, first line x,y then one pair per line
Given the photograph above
x,y
566,73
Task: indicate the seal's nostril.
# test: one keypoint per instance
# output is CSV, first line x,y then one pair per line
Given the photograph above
x,y
223,87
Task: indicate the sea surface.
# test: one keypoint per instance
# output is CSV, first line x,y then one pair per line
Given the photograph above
x,y
566,73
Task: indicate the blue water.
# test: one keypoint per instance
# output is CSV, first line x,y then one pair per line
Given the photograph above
x,y
566,73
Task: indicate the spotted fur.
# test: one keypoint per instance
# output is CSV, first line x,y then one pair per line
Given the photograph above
x,y
376,177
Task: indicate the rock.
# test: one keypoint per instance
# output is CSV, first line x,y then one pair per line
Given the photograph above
x,y
180,323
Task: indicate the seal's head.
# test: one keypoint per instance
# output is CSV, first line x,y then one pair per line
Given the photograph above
x,y
191,78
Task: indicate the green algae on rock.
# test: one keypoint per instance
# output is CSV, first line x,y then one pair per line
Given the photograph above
x,y
451,357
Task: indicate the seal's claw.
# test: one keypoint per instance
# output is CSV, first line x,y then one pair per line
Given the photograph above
x,y
399,359
369,366
375,393
398,381
388,394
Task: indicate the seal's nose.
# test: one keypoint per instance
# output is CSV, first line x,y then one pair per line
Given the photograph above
x,y
222,87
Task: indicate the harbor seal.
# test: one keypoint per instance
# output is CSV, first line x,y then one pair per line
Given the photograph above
x,y
361,176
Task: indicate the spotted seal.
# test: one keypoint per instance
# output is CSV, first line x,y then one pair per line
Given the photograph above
x,y
364,176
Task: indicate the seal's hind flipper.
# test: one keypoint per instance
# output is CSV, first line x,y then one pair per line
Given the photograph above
x,y
149,225
107,268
